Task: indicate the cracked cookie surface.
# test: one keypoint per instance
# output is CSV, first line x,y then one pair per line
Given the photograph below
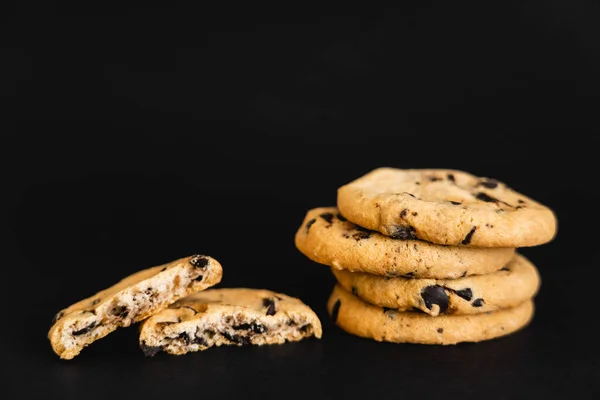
x,y
510,286
360,318
447,207
326,237
131,300
238,316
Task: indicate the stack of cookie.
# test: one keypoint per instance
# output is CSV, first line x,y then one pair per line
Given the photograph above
x,y
428,256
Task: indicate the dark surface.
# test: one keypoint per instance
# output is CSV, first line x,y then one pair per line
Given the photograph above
x,y
180,131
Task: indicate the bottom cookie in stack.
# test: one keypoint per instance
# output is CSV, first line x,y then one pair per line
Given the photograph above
x,y
436,311
360,318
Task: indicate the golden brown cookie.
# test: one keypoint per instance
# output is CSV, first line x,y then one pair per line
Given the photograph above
x,y
447,207
328,238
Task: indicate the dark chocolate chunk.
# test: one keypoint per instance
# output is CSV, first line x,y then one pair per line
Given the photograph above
x,y
486,197
184,337
199,278
361,235
403,232
435,294
451,177
199,261
341,217
327,217
270,305
238,339
456,203
403,213
119,311
477,303
209,333
310,223
305,328
335,310
488,183
190,308
148,291
354,291
258,328
150,351
244,326
466,294
440,330
85,329
469,236
57,317
200,340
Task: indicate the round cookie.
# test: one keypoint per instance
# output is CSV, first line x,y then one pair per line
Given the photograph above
x,y
236,317
447,207
385,325
328,238
512,285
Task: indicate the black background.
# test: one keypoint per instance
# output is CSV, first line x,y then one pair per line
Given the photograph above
x,y
132,137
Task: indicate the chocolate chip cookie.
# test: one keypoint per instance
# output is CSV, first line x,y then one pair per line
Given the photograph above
x,y
132,299
512,285
228,317
360,318
326,237
447,207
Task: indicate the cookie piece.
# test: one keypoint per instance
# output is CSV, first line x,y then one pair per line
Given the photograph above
x,y
515,283
360,318
228,317
132,299
447,207
328,238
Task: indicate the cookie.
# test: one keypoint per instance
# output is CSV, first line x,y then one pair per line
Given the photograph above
x,y
447,207
512,285
360,318
228,317
328,238
132,299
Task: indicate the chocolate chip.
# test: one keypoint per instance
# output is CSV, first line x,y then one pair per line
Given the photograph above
x,y
258,328
199,261
270,305
488,183
440,330
119,311
414,214
403,213
451,177
466,294
520,201
199,278
150,351
209,333
486,197
341,217
184,337
403,232
236,338
190,308
361,235
164,269
435,294
244,326
86,329
327,217
354,291
310,223
504,269
57,317
336,310
148,291
477,303
456,203
434,179
469,236
200,340
305,328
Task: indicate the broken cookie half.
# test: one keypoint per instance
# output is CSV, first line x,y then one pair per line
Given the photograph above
x,y
131,300
218,317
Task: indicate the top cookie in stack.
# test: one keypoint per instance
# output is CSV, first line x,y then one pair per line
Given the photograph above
x,y
438,241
